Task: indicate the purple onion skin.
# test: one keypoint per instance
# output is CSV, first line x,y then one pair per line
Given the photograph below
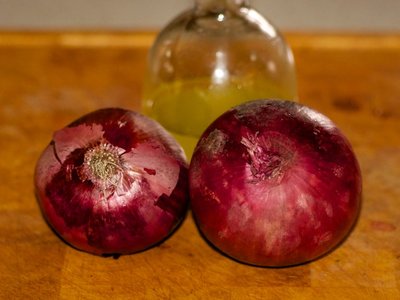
x,y
112,182
274,183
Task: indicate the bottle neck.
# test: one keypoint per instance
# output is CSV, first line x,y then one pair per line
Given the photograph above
x,y
215,6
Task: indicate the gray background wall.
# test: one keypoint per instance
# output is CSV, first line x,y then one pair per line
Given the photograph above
x,y
291,15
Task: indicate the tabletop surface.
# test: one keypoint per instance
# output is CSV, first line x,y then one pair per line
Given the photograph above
x,y
49,79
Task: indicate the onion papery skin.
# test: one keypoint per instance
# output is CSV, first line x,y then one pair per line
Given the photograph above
x,y
274,183
112,182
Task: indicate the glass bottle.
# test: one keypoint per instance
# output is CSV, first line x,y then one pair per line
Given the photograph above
x,y
209,58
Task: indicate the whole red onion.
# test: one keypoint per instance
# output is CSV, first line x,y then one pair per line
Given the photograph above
x,y
274,183
112,182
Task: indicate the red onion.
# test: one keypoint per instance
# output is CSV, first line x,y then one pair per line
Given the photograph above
x,y
112,182
274,183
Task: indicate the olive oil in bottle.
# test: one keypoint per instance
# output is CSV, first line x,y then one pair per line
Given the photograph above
x,y
210,58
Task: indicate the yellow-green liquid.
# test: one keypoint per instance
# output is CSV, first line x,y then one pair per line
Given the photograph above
x,y
186,108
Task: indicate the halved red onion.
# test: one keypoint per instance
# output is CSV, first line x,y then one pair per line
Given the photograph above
x,y
112,182
274,183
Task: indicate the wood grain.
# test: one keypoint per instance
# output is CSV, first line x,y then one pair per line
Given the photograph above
x,y
49,79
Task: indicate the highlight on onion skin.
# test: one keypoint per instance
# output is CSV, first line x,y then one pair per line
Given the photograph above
x,y
274,183
112,182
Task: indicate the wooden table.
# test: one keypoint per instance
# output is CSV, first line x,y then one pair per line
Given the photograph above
x,y
49,79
